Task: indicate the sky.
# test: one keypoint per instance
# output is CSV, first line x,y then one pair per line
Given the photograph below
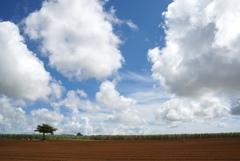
x,y
120,67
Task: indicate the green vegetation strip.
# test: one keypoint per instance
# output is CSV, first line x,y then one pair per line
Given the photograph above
x,y
119,137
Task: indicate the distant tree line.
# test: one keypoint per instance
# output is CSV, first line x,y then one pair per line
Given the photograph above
x,y
47,129
119,137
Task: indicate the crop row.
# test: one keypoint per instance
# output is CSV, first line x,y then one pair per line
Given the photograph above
x,y
39,137
165,136
20,136
119,137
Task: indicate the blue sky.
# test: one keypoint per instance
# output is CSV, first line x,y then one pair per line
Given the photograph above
x,y
120,67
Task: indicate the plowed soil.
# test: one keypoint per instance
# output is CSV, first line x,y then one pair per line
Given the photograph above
x,y
171,150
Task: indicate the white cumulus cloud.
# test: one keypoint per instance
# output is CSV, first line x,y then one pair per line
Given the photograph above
x,y
121,108
22,73
43,115
12,116
202,49
110,97
187,109
77,36
76,101
200,62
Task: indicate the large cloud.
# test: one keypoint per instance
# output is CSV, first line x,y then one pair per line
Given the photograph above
x,y
188,109
110,97
76,101
22,73
43,115
12,116
201,55
77,36
120,107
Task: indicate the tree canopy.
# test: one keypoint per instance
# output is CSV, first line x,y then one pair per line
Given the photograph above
x,y
79,134
45,128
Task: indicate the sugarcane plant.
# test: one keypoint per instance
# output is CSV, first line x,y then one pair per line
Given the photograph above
x,y
45,128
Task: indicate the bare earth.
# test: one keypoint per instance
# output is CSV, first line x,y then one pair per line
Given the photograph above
x,y
171,150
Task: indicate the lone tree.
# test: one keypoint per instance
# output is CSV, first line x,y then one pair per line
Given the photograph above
x,y
79,134
45,128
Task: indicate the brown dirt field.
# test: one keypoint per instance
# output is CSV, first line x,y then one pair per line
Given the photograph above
x,y
171,150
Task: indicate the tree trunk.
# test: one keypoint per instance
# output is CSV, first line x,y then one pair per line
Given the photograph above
x,y
44,136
